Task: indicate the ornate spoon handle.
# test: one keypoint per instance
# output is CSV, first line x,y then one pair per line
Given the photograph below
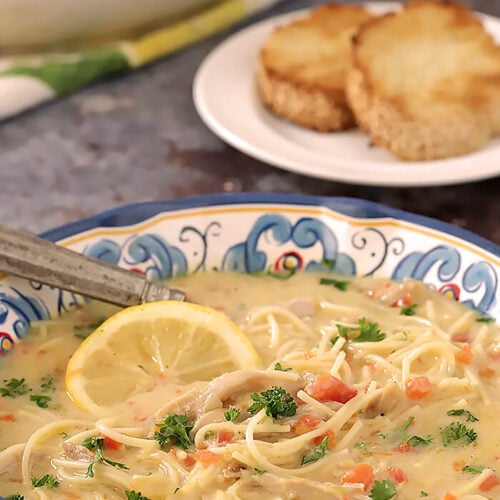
x,y
36,259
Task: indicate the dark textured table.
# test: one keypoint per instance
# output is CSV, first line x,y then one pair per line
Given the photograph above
x,y
138,138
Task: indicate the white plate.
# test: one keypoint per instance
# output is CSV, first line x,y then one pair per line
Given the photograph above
x,y
226,99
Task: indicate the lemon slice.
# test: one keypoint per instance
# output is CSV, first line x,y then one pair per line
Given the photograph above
x,y
153,343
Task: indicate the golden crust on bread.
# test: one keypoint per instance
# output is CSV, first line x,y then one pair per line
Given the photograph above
x,y
302,67
425,83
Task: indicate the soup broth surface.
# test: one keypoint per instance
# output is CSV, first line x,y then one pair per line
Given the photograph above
x,y
369,389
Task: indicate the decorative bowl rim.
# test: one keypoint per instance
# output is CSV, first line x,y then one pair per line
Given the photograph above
x,y
138,212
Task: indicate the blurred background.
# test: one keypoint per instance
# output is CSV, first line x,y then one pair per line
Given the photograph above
x,y
134,134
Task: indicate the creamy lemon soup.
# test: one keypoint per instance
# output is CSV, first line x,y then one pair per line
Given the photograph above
x,y
348,389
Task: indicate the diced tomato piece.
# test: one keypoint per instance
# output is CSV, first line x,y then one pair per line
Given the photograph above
x,y
460,337
189,461
494,356
329,388
9,417
224,436
361,473
397,474
449,496
464,356
306,423
111,444
405,300
206,457
404,447
418,387
487,372
489,483
331,439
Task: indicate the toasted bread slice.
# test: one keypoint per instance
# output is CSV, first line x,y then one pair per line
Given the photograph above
x,y
425,82
302,67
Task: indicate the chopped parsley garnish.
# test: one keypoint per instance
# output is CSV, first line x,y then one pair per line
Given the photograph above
x,y
458,434
415,441
83,331
276,401
47,481
362,445
231,414
174,431
485,319
96,444
383,490
135,495
279,368
259,472
424,493
367,331
410,310
466,413
41,401
338,284
473,469
14,387
14,496
317,452
399,433
47,384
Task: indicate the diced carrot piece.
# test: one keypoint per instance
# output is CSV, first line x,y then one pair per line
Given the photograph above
x,y
406,300
489,483
224,436
449,496
189,461
361,473
329,388
331,439
9,417
206,457
41,352
418,387
487,372
458,465
111,443
306,423
464,356
397,474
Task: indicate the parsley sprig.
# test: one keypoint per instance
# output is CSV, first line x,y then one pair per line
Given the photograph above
x,y
458,434
317,452
473,469
410,310
232,414
135,495
96,444
174,431
276,401
382,490
83,331
279,368
367,331
338,284
461,412
14,387
47,481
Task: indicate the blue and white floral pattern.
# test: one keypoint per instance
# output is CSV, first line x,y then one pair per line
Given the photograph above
x,y
253,237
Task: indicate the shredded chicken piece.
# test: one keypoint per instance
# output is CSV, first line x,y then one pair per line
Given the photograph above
x,y
77,452
298,487
387,400
300,306
229,387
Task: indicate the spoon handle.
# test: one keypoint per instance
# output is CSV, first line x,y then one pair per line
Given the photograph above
x,y
40,260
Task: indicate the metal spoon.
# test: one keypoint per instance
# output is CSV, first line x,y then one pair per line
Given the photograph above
x,y
36,259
